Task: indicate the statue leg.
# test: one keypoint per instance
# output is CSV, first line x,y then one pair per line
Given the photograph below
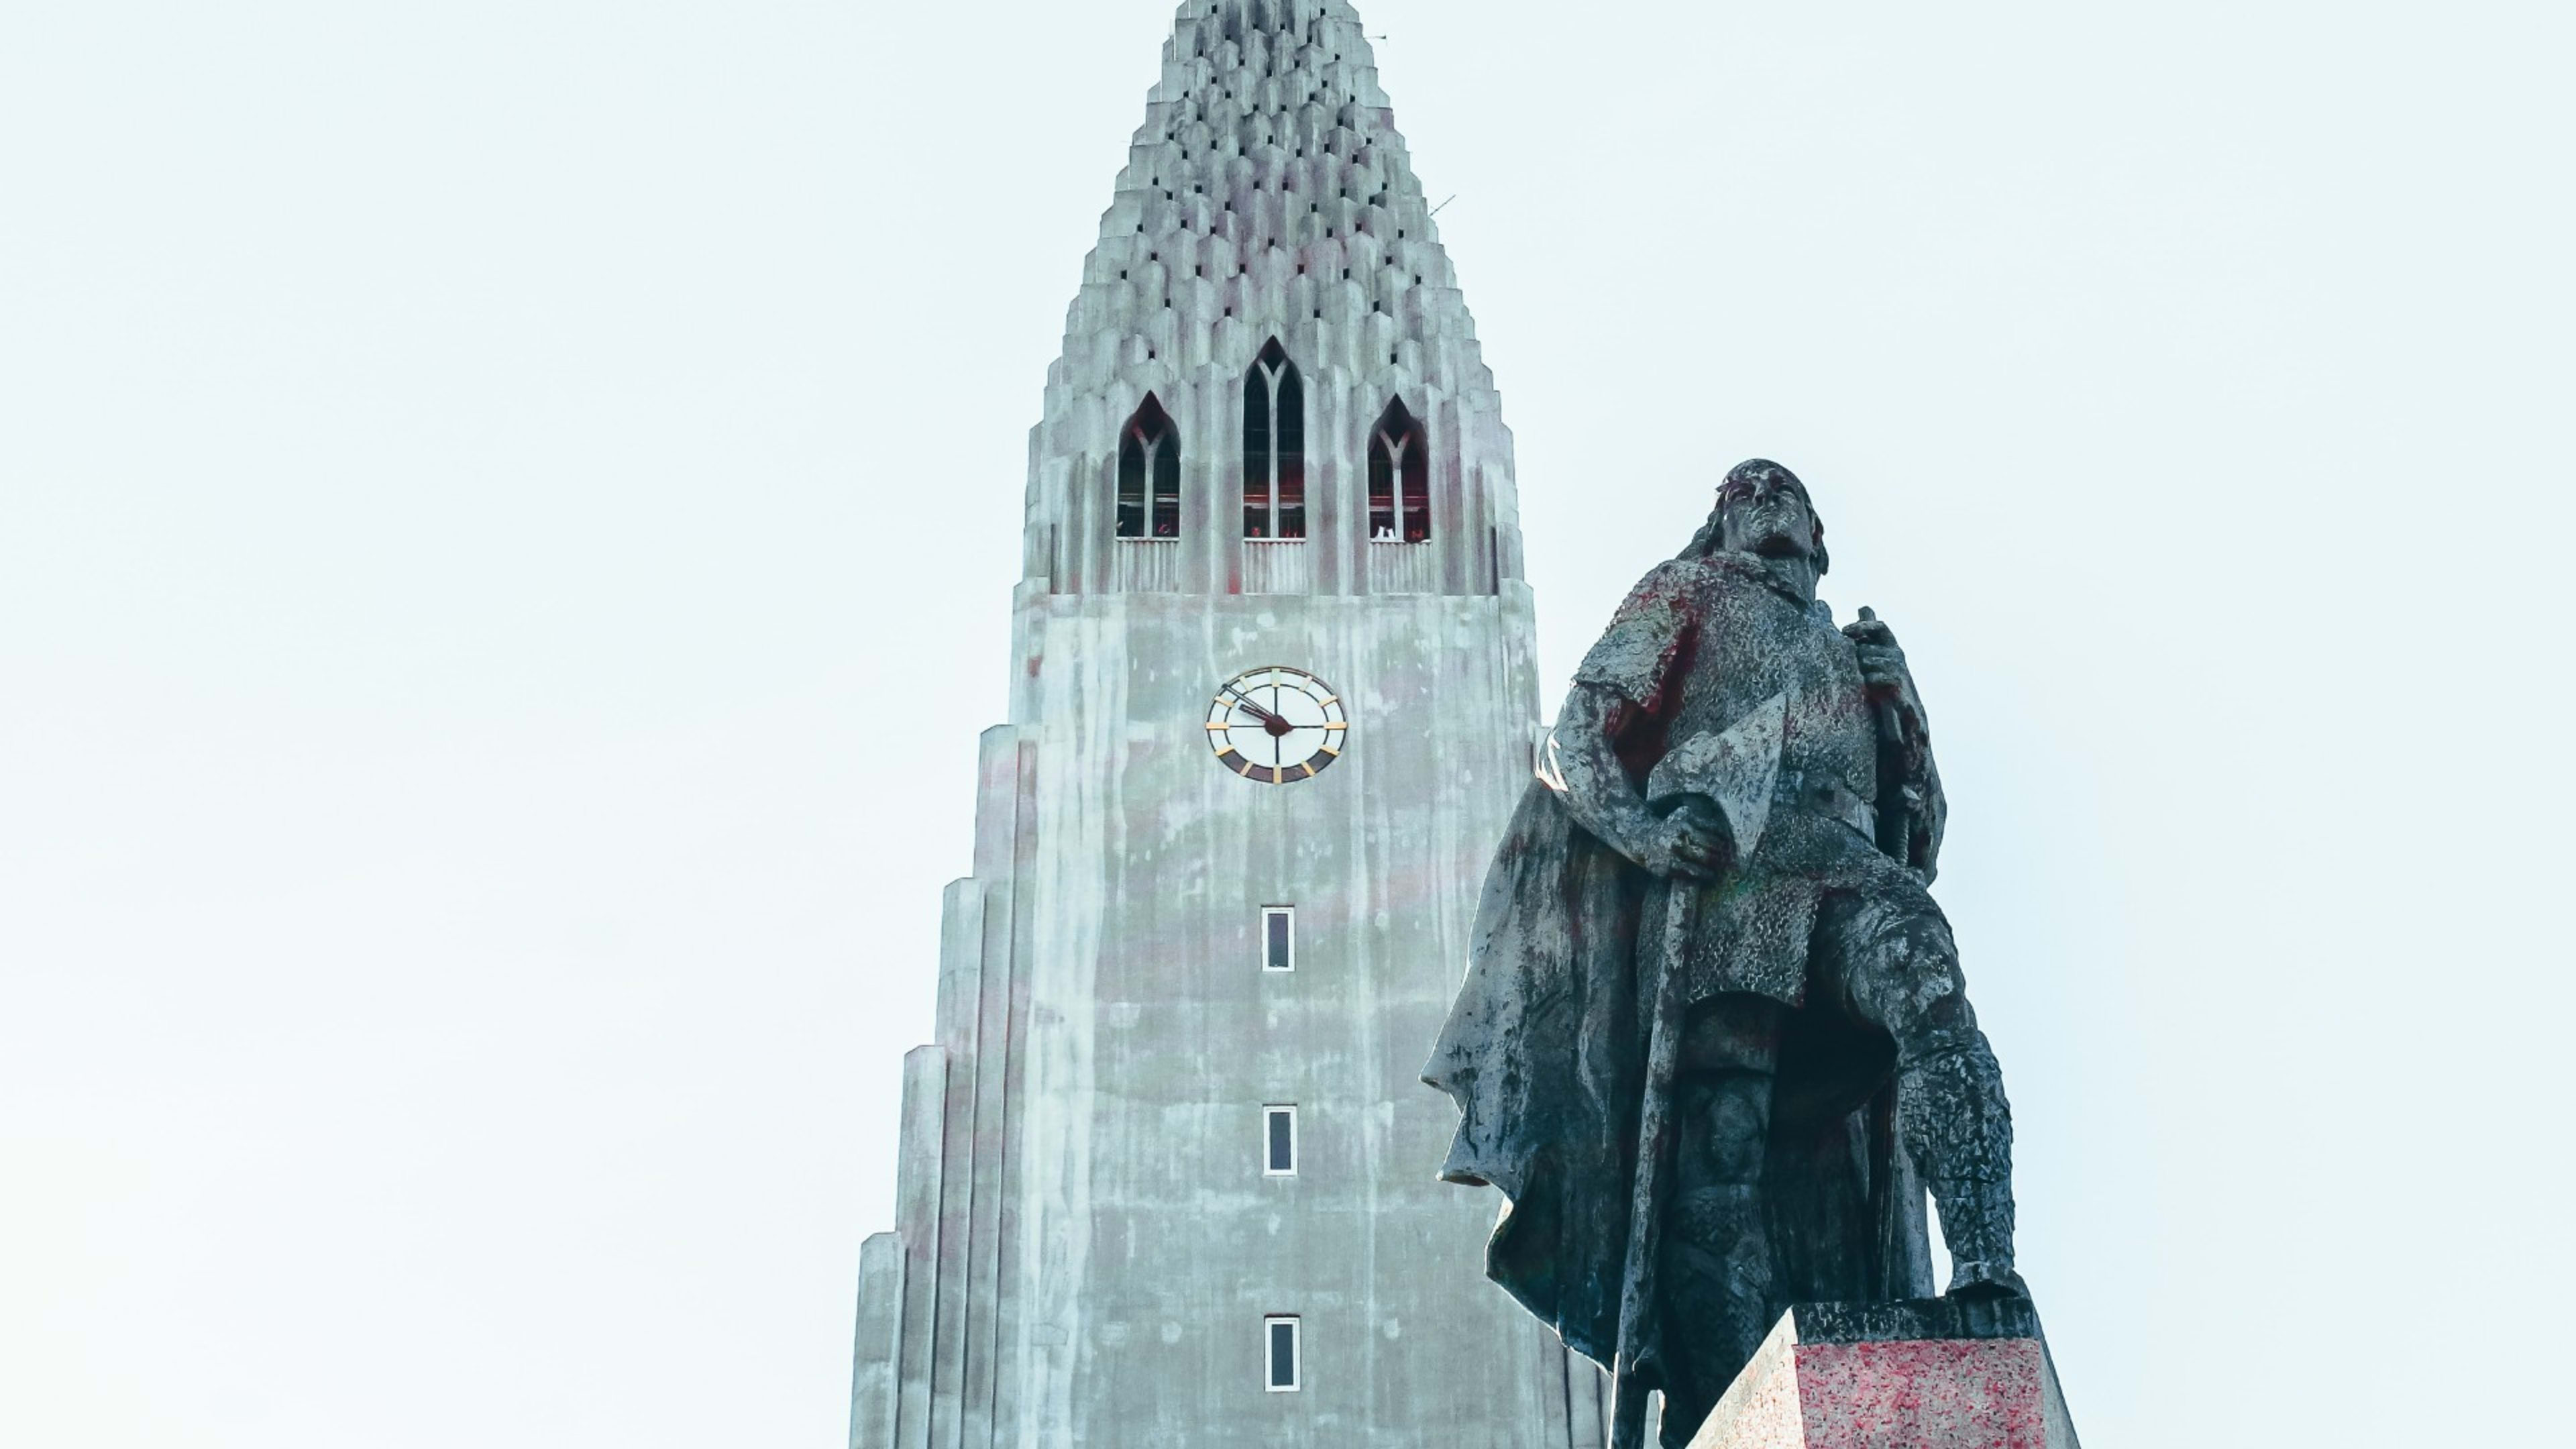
x,y
1901,973
1716,1260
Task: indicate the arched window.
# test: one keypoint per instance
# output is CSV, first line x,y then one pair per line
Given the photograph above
x,y
1274,447
1149,474
1399,478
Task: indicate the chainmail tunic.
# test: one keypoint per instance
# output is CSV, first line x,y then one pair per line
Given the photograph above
x,y
1697,646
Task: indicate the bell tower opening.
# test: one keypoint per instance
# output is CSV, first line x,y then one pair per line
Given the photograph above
x,y
1399,478
1149,474
1274,447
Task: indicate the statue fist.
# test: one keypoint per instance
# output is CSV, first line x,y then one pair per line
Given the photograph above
x,y
1882,663
1690,844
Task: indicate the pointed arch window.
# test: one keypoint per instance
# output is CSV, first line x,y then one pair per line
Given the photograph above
x,y
1149,474
1399,478
1274,447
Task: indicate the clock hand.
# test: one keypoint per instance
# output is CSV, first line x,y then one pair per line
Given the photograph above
x,y
1254,710
1279,724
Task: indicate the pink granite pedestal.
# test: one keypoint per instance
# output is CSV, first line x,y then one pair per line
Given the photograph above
x,y
1923,1374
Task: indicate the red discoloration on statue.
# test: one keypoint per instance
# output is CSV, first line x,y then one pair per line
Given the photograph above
x,y
1949,1394
1639,733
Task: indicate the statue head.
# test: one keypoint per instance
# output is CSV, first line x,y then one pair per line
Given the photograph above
x,y
1763,509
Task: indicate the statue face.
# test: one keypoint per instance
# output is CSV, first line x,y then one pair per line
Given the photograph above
x,y
1767,514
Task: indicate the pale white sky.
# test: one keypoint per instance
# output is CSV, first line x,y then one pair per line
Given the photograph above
x,y
507,514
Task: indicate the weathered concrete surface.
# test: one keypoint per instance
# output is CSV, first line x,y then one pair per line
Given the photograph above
x,y
1922,1374
872,1378
1089,1241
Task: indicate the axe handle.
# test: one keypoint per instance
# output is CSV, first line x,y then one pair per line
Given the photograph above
x,y
1663,1057
1895,822
1627,1414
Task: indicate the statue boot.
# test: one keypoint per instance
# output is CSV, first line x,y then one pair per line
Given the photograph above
x,y
1951,1109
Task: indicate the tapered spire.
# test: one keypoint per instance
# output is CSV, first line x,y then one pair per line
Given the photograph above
x,y
1268,195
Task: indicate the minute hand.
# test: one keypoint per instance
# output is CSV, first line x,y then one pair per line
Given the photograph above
x,y
1254,710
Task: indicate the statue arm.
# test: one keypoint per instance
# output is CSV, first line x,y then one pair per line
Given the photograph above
x,y
1932,819
1915,783
1623,673
1929,811
1604,800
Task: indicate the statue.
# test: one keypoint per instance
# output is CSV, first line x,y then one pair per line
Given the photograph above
x,y
1714,1044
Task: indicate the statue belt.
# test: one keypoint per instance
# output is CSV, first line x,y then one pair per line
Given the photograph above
x,y
1831,798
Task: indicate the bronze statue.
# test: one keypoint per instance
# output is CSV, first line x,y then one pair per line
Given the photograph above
x,y
1714,1043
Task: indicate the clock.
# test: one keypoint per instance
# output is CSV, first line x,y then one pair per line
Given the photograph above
x,y
1276,724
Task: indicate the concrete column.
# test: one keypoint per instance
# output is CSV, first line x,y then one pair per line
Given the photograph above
x,y
961,989
925,1075
875,1364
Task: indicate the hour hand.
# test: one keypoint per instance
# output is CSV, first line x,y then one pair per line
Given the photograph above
x,y
1254,710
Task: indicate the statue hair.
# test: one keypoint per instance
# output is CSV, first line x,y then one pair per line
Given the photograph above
x,y
1712,534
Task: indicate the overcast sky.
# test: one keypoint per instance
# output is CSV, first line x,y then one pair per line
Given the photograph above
x,y
507,515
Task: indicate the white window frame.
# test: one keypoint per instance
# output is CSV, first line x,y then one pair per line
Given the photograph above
x,y
1296,1353
1269,1112
1289,913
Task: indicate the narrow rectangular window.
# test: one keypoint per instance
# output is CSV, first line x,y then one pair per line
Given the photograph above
x,y
1278,938
1280,1368
1279,1141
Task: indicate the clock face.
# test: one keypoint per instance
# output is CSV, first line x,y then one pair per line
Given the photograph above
x,y
1275,725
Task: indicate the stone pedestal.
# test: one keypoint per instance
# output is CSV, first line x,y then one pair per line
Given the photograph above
x,y
1922,1374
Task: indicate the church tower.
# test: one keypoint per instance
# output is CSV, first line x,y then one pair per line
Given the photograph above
x,y
1167,1178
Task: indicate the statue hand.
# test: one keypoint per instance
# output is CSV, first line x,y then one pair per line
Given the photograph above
x,y
1882,662
1687,845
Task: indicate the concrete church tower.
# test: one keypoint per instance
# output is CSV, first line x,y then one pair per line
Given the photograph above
x,y
1167,1175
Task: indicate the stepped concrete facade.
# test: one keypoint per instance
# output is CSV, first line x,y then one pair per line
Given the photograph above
x,y
1270,444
